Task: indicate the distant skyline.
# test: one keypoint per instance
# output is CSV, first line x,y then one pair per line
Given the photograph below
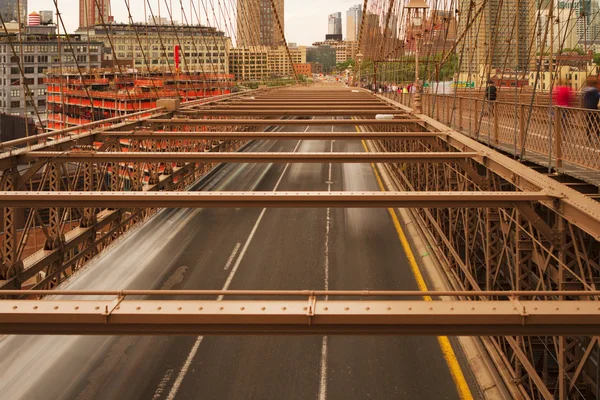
x,y
305,20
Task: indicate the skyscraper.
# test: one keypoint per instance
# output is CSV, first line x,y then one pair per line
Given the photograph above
x,y
353,21
257,25
47,17
502,37
10,10
335,24
92,12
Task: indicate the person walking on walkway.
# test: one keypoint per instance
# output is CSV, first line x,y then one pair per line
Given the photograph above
x,y
590,99
562,95
491,93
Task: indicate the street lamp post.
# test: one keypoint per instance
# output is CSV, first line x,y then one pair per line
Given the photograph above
x,y
358,65
416,12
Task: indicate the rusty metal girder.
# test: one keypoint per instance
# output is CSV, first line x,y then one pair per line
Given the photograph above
x,y
270,199
281,122
248,157
297,113
298,317
351,135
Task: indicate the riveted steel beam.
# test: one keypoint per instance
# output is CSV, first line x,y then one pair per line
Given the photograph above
x,y
269,199
296,112
351,135
298,317
249,157
281,122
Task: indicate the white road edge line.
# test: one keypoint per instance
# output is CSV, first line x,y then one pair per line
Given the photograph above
x,y
194,350
324,344
232,256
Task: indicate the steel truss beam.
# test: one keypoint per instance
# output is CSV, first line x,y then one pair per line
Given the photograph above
x,y
296,112
351,135
298,317
249,157
270,199
280,122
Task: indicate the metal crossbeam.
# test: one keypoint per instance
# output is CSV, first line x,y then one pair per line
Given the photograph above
x,y
351,135
282,122
297,113
269,199
248,157
298,317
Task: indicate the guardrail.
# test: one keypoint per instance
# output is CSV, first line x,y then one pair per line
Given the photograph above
x,y
553,134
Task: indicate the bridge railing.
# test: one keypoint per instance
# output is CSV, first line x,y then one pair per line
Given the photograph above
x,y
550,135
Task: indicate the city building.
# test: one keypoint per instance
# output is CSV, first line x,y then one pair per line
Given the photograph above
x,y
47,17
40,53
573,77
502,37
303,69
279,61
577,24
151,47
156,20
248,64
334,26
33,19
14,10
94,12
105,93
257,23
353,20
324,55
344,50
334,36
316,67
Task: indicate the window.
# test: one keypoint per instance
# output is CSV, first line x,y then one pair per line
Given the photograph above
x,y
41,70
29,59
42,49
29,81
15,104
29,48
15,93
43,59
29,70
15,70
41,92
42,102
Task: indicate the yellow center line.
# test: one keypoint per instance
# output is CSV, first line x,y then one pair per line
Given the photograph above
x,y
455,371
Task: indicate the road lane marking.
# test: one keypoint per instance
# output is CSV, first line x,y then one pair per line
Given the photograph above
x,y
323,373
456,372
232,256
194,350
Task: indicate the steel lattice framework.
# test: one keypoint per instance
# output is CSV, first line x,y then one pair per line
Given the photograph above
x,y
520,249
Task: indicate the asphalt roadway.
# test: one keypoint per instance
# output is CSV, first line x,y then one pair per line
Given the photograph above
x,y
244,249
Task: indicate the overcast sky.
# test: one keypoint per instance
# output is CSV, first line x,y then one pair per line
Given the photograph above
x,y
305,20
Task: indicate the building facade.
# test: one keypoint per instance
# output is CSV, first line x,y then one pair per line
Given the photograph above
x,y
40,54
249,64
94,12
502,36
279,61
303,69
334,24
47,17
353,21
344,50
324,55
257,23
202,49
14,10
